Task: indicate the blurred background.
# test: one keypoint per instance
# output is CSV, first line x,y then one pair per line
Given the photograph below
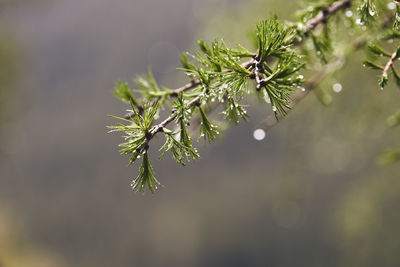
x,y
310,194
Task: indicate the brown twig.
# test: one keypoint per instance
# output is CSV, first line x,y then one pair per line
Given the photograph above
x,y
389,64
322,17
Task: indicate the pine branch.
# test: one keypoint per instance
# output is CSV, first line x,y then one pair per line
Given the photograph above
x,y
217,73
314,81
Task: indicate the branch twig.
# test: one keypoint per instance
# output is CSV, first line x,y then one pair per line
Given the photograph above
x,y
322,17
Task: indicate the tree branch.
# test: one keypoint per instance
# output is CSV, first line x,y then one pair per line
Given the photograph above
x,y
320,18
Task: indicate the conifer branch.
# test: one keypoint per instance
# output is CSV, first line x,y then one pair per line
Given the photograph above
x,y
314,81
218,75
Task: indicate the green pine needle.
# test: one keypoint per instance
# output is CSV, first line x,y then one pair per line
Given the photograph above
x,y
208,130
179,150
145,178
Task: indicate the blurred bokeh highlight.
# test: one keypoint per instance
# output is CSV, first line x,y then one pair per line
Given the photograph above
x,y
309,194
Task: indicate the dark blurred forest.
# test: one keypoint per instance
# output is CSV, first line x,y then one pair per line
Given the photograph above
x,y
310,194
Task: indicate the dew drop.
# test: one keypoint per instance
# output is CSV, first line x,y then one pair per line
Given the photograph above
x,y
349,13
274,109
259,134
391,5
301,26
358,21
337,87
300,77
372,12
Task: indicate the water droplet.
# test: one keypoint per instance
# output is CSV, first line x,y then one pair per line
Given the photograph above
x,y
301,26
372,12
138,157
274,109
302,89
349,13
358,21
213,100
337,87
391,5
259,134
300,77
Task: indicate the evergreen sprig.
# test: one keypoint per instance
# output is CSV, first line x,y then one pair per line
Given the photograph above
x,y
146,177
181,151
221,75
136,131
208,130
